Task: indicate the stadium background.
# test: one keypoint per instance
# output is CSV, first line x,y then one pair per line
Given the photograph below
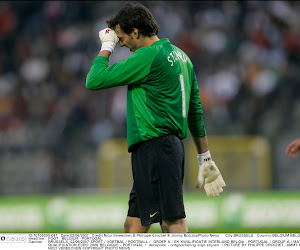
x,y
63,159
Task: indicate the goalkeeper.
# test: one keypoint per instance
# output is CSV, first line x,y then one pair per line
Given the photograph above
x,y
162,103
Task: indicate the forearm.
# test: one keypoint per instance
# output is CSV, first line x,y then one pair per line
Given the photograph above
x,y
94,76
201,144
104,53
98,78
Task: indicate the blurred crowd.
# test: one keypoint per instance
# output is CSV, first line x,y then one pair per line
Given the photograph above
x,y
246,56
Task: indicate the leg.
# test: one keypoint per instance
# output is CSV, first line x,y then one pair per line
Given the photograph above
x,y
176,225
134,225
171,174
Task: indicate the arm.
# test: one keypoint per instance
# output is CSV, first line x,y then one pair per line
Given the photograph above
x,y
105,53
133,70
195,114
209,175
293,148
201,144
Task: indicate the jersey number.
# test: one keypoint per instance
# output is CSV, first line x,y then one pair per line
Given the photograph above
x,y
183,95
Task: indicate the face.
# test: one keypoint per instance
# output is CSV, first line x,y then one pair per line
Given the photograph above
x,y
130,41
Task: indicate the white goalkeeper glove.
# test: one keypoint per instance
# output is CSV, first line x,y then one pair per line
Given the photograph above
x,y
108,39
209,175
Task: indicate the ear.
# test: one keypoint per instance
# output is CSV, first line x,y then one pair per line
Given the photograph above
x,y
135,33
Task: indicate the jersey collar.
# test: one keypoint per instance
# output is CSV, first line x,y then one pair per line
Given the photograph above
x,y
161,41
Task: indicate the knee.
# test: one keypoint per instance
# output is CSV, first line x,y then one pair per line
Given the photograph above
x,y
165,227
174,225
133,225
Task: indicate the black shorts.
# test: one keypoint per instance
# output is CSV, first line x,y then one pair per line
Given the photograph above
x,y
158,170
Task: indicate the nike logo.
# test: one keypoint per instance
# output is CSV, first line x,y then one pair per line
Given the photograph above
x,y
151,215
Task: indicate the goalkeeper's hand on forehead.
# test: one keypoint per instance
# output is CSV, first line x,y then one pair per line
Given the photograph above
x,y
209,176
108,39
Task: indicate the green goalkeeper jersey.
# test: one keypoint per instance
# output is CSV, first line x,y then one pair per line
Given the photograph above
x,y
163,96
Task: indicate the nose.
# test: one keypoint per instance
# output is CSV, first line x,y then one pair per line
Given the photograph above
x,y
121,43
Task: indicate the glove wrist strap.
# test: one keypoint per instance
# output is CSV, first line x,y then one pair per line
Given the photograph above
x,y
204,154
105,48
204,158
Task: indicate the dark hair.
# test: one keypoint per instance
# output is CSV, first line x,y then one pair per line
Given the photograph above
x,y
134,15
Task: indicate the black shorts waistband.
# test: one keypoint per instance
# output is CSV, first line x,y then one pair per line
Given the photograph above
x,y
135,146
